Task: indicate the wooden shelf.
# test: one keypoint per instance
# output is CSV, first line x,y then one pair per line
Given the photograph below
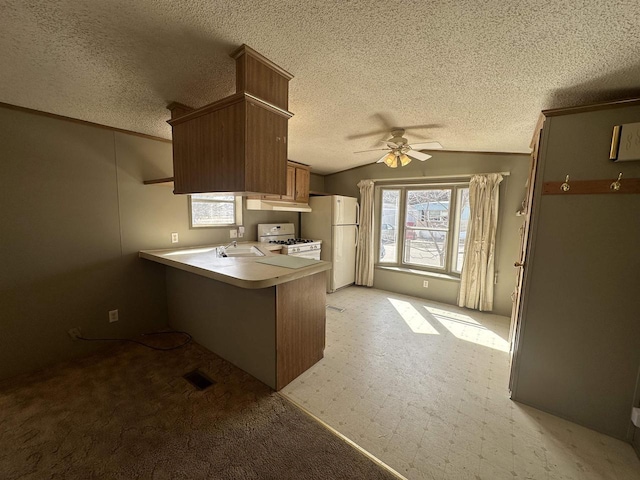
x,y
160,181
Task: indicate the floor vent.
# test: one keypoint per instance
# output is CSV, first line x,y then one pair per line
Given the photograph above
x,y
199,380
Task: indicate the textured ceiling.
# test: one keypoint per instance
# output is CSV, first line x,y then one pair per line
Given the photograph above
x,y
481,71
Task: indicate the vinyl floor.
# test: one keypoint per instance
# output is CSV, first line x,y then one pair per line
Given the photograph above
x,y
424,387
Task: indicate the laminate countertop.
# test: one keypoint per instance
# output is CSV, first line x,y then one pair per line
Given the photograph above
x,y
242,272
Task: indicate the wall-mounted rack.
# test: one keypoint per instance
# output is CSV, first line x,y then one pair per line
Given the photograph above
x,y
588,187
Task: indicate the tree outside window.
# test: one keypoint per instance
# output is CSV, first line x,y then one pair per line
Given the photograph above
x,y
433,233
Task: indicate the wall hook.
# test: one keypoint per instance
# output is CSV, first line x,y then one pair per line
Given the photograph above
x,y
615,186
565,186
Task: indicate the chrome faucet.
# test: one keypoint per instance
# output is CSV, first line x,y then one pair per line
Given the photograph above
x,y
221,251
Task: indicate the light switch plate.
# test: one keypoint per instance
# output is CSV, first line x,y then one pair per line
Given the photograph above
x,y
113,316
233,233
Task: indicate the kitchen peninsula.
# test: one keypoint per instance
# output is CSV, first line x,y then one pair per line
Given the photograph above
x,y
268,320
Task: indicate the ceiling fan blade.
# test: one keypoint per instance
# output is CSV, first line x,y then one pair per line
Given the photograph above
x,y
385,119
372,150
426,146
418,155
411,130
382,158
390,144
358,136
426,125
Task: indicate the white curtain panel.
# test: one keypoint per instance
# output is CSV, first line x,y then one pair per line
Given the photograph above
x,y
476,281
364,254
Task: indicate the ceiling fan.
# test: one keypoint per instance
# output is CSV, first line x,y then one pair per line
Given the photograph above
x,y
400,152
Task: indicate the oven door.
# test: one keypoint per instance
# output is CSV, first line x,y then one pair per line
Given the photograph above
x,y
312,254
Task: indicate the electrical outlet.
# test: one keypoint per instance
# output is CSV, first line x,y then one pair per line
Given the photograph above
x,y
74,333
233,233
113,316
174,237
240,232
425,283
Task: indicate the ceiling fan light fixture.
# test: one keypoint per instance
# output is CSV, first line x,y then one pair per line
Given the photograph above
x,y
390,160
401,152
404,160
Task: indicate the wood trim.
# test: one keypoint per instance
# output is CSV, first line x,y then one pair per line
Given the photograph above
x,y
18,108
245,49
629,102
179,109
535,140
209,108
299,165
590,187
269,106
226,102
159,181
527,154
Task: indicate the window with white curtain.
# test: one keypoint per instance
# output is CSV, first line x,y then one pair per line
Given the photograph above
x,y
423,227
215,210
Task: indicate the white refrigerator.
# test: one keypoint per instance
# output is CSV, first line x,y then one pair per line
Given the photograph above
x,y
334,219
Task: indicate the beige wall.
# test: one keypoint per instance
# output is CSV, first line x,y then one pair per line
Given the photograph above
x,y
580,341
74,214
512,192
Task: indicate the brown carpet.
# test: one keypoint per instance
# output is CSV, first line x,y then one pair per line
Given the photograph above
x,y
127,413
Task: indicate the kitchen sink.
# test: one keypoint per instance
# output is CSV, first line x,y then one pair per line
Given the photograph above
x,y
242,252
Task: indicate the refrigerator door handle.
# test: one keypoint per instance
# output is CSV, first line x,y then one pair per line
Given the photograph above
x,y
357,236
357,213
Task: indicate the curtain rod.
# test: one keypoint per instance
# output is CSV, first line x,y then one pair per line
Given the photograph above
x,y
438,177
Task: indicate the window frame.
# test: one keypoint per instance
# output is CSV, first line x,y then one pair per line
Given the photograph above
x,y
237,211
452,232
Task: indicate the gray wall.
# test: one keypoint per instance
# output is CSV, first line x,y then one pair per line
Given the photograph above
x,y
316,183
512,191
579,352
74,214
236,323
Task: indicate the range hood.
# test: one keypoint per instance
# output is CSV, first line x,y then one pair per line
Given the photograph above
x,y
277,205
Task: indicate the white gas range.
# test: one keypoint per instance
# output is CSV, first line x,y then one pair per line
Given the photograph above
x,y
284,234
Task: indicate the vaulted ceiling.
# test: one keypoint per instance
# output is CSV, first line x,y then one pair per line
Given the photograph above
x,y
479,71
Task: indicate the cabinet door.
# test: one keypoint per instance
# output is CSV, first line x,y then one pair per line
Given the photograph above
x,y
291,183
265,151
302,185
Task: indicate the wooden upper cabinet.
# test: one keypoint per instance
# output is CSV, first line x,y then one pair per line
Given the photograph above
x,y
260,77
239,143
235,145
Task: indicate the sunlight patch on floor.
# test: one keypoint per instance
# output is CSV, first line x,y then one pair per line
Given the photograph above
x,y
466,328
412,317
